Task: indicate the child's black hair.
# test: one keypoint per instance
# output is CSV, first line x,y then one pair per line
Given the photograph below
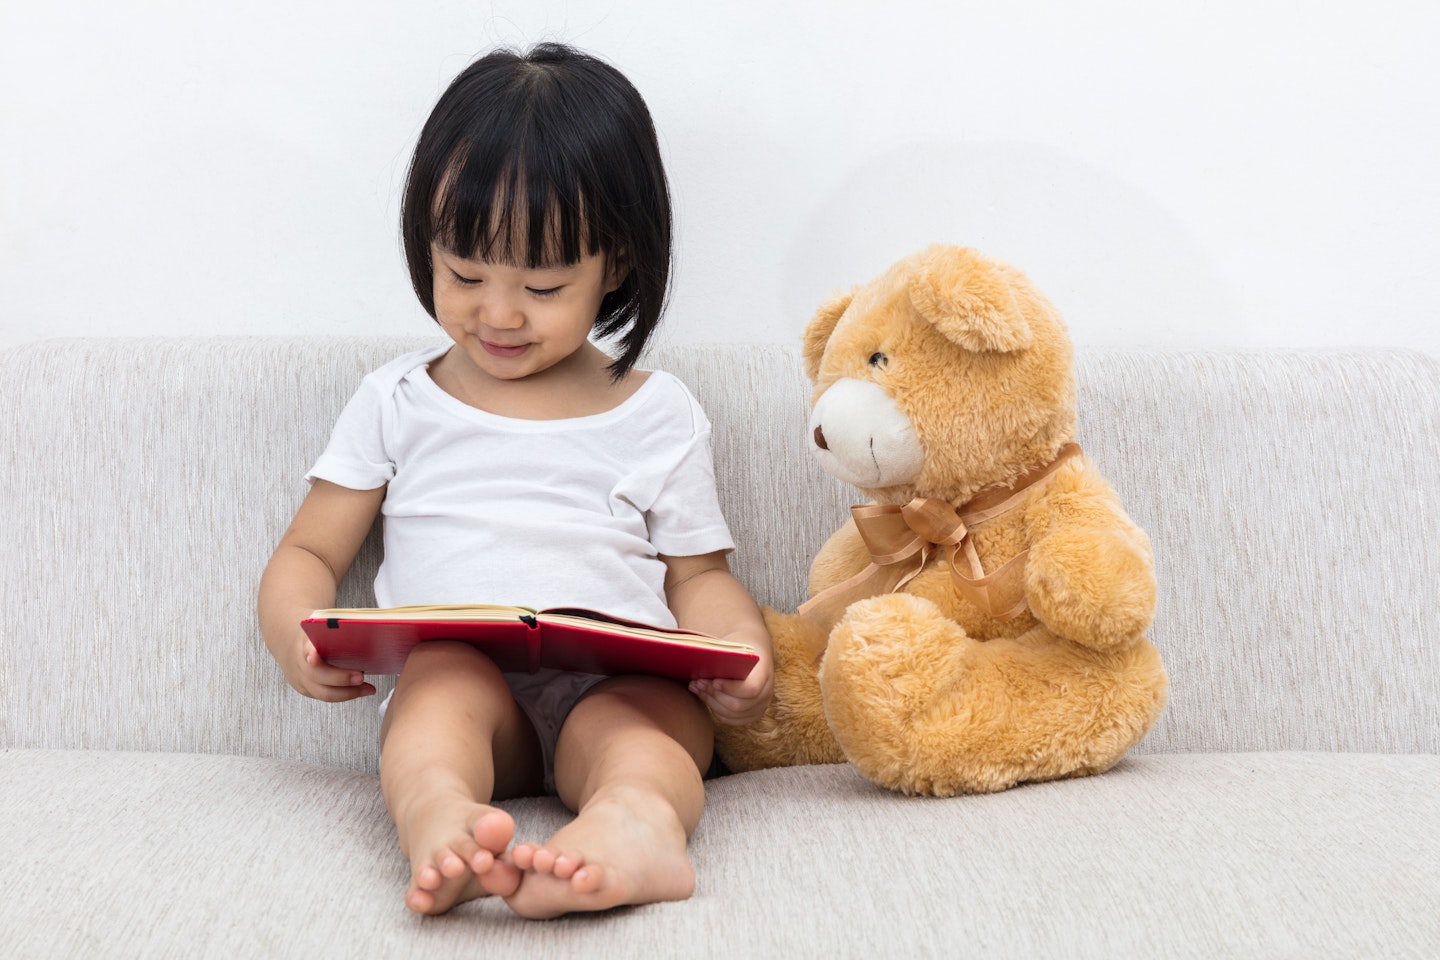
x,y
556,149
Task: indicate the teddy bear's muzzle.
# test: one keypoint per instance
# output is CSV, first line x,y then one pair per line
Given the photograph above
x,y
863,438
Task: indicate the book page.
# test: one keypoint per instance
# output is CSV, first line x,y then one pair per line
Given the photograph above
x,y
455,613
590,618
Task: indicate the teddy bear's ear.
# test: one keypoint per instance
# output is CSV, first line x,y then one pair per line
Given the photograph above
x,y
969,300
818,330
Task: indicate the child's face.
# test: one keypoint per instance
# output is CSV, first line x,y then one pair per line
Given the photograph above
x,y
514,321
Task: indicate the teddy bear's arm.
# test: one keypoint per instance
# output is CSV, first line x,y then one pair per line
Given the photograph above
x,y
1090,576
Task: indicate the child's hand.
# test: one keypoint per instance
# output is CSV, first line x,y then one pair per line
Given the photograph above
x,y
705,596
738,702
315,678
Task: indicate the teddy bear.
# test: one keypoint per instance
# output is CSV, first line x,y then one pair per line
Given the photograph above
x,y
981,622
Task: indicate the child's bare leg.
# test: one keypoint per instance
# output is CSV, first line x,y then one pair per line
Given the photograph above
x,y
629,760
451,719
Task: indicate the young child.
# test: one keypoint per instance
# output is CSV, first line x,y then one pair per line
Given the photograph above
x,y
520,464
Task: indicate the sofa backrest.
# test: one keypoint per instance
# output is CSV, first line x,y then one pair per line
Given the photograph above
x,y
1292,498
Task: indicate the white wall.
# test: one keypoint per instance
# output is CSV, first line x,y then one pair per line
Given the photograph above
x,y
1235,172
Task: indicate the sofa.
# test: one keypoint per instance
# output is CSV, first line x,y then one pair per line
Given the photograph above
x,y
163,793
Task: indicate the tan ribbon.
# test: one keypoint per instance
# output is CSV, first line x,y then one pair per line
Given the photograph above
x,y
901,540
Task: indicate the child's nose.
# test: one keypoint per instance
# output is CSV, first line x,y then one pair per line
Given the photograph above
x,y
501,313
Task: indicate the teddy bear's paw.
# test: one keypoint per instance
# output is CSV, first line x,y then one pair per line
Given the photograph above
x,y
895,686
1096,588
891,660
893,636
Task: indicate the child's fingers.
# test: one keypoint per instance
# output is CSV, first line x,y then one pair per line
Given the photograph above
x,y
331,683
331,676
334,678
341,693
753,687
731,709
323,672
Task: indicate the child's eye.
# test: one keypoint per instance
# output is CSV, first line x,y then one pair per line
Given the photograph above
x,y
464,281
546,292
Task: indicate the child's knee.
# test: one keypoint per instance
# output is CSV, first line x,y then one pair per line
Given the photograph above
x,y
450,664
648,705
443,680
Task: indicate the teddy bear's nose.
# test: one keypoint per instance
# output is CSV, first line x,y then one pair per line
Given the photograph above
x,y
820,439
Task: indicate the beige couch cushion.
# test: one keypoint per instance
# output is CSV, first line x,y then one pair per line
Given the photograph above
x,y
1201,855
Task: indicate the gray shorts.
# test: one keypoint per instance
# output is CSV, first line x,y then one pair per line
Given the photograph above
x,y
546,697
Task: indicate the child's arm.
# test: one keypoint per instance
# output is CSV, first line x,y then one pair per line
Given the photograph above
x,y
705,596
302,577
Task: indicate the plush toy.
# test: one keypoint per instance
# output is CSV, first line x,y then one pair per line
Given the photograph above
x,y
981,623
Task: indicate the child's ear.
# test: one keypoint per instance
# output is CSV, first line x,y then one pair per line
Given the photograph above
x,y
617,269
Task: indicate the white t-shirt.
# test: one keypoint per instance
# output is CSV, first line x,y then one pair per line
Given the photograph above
x,y
488,509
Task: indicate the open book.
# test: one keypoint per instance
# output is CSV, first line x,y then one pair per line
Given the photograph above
x,y
519,639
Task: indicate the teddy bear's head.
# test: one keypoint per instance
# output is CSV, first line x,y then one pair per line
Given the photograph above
x,y
946,374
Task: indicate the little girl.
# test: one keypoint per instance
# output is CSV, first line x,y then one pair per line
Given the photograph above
x,y
523,465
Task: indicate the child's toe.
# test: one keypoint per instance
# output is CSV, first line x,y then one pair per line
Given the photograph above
x,y
523,855
452,865
428,878
544,860
566,863
494,831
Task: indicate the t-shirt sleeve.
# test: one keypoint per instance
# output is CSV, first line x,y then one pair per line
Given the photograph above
x,y
356,456
684,518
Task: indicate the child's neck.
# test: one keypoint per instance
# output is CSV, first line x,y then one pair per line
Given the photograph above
x,y
578,386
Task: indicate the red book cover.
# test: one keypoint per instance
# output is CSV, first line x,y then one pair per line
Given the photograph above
x,y
377,641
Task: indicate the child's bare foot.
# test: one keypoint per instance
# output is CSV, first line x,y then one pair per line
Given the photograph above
x,y
454,846
625,848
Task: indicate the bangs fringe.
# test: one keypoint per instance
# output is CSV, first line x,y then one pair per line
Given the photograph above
x,y
519,199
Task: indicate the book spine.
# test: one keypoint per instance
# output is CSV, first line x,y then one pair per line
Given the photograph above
x,y
532,640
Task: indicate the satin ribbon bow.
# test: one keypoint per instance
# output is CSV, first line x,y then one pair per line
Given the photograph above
x,y
901,540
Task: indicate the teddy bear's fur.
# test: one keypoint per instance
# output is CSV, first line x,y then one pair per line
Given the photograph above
x,y
947,377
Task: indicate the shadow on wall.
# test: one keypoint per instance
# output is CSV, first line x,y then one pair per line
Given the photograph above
x,y
1122,268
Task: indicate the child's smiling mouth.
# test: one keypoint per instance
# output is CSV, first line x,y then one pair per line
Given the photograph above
x,y
504,350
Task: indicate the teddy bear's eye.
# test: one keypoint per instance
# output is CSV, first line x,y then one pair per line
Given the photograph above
x,y
878,359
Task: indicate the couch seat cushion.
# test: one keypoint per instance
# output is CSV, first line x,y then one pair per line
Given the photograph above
x,y
111,854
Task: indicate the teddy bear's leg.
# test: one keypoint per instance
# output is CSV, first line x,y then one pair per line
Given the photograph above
x,y
920,707
793,729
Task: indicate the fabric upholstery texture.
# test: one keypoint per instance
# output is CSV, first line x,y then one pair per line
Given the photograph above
x,y
163,793
1288,505
1185,855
